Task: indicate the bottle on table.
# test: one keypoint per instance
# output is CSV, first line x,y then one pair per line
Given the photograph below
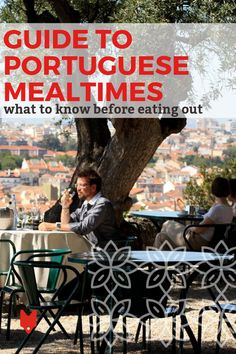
x,y
12,205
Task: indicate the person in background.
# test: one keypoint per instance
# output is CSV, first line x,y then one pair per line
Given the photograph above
x,y
95,220
220,213
232,194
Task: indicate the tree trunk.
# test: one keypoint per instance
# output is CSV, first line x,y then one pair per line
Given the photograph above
x,y
128,152
120,158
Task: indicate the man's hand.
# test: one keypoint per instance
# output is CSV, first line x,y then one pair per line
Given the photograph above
x,y
66,199
47,226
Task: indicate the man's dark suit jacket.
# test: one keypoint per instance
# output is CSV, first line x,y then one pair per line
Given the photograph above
x,y
95,221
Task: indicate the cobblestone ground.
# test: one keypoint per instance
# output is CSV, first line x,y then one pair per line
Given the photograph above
x,y
160,332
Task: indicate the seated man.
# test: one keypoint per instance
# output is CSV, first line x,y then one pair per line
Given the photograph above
x,y
95,220
220,213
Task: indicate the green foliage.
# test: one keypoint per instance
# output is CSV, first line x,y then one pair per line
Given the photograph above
x,y
8,161
70,144
230,153
51,142
230,169
136,11
198,11
211,11
200,195
86,11
197,195
67,160
231,140
140,12
201,161
14,11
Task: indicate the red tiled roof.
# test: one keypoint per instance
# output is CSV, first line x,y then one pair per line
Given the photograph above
x,y
167,205
136,191
71,153
158,181
156,194
13,174
174,194
136,206
20,147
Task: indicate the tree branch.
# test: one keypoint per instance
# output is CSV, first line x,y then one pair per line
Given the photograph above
x,y
108,11
93,136
33,17
30,11
65,12
172,126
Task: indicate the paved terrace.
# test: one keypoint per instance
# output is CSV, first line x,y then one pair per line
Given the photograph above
x,y
161,330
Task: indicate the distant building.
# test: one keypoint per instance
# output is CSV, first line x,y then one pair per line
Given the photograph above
x,y
206,124
3,140
50,191
9,178
23,150
230,126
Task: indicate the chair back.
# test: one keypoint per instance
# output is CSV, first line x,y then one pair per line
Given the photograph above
x,y
231,236
119,243
56,256
8,252
219,233
33,291
29,283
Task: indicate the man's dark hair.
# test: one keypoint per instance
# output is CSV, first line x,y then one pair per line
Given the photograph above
x,y
92,176
232,187
220,187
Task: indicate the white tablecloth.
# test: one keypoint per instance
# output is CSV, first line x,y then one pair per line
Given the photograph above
x,y
34,239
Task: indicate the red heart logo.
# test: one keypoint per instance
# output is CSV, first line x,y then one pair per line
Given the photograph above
x,y
28,322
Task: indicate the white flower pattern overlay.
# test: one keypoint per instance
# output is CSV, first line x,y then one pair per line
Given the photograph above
x,y
111,279
112,282
109,276
218,277
170,274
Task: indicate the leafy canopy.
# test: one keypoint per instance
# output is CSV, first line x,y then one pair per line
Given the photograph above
x,y
199,194
136,11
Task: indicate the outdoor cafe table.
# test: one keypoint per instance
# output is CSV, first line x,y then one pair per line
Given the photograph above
x,y
36,240
161,258
157,215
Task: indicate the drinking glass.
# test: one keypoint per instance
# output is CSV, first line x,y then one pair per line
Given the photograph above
x,y
35,215
21,219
